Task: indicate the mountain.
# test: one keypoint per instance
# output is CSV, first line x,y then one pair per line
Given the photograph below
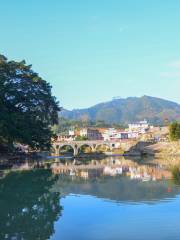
x,y
131,109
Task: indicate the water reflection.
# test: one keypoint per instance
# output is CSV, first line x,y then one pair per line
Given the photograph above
x,y
28,209
31,200
111,167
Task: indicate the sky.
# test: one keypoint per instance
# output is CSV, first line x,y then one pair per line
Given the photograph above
x,y
93,50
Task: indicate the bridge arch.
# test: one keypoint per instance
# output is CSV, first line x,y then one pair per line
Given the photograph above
x,y
103,146
68,147
77,145
80,147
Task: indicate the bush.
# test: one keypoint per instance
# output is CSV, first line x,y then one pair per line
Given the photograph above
x,y
174,131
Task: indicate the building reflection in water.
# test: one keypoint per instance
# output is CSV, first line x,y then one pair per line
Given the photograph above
x,y
112,167
30,200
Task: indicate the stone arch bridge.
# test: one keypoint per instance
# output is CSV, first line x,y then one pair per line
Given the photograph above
x,y
76,145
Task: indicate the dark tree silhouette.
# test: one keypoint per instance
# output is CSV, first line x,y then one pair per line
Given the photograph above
x,y
27,107
28,209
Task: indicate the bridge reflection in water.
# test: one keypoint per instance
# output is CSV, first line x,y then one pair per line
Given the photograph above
x,y
119,177
48,203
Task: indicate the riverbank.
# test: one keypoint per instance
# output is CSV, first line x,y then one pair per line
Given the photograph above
x,y
164,149
14,157
160,150
155,149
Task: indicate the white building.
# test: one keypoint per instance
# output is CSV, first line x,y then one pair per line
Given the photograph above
x,y
71,132
133,135
91,134
65,138
109,133
114,134
140,127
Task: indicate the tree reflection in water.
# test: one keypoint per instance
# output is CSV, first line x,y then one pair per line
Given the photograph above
x,y
176,175
28,209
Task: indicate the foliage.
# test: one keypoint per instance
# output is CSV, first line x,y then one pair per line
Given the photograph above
x,y
157,111
81,138
176,175
27,108
64,125
174,131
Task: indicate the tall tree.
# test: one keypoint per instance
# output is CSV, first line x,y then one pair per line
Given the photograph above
x,y
174,130
27,107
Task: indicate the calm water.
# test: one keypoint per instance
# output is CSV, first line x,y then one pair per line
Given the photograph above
x,y
108,199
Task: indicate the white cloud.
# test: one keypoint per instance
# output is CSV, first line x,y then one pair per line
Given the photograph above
x,y
170,74
175,64
173,70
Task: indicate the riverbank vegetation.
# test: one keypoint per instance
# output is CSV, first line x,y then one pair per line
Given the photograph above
x,y
174,131
176,175
27,107
64,125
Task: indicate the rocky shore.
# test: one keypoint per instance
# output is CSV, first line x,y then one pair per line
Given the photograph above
x,y
155,149
164,149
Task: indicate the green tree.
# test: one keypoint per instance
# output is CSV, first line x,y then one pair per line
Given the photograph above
x,y
81,138
28,207
27,107
176,175
174,131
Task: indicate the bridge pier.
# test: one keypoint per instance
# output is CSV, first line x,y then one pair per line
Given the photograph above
x,y
57,150
76,151
93,147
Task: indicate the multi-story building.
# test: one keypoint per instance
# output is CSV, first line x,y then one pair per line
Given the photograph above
x,y
109,134
91,134
140,127
118,135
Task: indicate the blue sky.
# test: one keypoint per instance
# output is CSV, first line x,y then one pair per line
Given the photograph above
x,y
93,50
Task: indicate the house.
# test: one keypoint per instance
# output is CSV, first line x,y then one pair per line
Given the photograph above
x,y
91,134
72,132
140,127
65,138
109,134
133,135
114,134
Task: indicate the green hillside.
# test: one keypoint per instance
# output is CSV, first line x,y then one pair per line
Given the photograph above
x,y
155,110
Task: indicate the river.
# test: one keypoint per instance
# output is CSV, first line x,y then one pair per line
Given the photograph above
x,y
108,199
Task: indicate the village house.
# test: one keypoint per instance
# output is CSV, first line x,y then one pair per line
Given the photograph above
x,y
65,138
114,134
91,134
140,127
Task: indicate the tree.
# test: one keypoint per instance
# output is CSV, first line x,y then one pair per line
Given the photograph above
x,y
176,175
174,130
28,206
81,138
27,107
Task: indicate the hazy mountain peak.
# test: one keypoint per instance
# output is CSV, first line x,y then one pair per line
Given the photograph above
x,y
125,110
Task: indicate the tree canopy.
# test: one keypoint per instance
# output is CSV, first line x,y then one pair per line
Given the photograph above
x,y
27,107
175,131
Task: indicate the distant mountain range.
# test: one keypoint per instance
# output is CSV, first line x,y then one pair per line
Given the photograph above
x,y
131,109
